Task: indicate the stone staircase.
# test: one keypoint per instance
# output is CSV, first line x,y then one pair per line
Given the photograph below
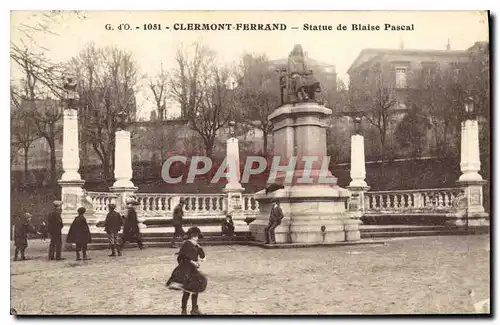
x,y
214,238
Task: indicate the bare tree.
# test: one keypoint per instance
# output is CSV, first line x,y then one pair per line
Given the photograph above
x,y
203,91
257,94
376,98
23,134
107,84
158,86
40,97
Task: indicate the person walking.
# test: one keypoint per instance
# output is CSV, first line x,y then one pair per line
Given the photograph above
x,y
79,233
177,221
131,232
55,225
275,218
112,226
186,276
21,230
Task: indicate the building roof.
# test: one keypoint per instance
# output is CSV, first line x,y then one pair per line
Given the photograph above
x,y
367,55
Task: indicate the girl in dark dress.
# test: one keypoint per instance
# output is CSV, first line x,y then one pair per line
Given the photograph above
x,y
79,233
186,276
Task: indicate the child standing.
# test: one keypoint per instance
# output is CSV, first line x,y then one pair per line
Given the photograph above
x,y
79,233
112,226
186,276
21,230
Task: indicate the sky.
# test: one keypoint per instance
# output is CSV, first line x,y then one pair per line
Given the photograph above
x,y
71,34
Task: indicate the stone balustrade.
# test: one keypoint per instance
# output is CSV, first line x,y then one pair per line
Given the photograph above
x,y
161,205
100,200
436,200
250,204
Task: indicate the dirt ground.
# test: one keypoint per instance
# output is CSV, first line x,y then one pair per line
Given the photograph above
x,y
405,276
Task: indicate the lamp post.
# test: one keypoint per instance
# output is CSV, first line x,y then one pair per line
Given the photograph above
x,y
232,129
357,125
70,87
470,165
122,115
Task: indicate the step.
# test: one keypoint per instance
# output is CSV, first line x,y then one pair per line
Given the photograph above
x,y
411,234
169,238
100,246
369,229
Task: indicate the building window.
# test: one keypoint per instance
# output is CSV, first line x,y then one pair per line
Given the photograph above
x,y
401,77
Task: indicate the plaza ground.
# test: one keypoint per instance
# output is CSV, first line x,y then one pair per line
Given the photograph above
x,y
406,275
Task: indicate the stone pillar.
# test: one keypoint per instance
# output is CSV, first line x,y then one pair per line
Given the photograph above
x,y
233,188
358,185
470,180
72,194
123,160
123,185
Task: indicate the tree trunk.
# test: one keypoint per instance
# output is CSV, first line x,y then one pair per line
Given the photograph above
x,y
26,150
53,170
264,134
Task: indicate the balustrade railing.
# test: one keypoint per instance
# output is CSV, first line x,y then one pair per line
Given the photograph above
x,y
100,200
438,200
250,204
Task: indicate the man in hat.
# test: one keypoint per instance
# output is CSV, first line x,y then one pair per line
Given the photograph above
x,y
21,229
131,231
112,226
55,225
275,218
177,222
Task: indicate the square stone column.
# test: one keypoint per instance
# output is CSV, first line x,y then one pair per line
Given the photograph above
x,y
233,188
72,194
470,180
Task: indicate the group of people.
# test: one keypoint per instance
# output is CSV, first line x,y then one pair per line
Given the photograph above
x,y
186,277
79,231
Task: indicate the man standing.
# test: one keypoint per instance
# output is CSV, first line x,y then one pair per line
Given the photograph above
x,y
112,226
275,218
177,222
55,225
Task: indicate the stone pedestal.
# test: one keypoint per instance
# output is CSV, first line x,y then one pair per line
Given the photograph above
x,y
123,160
71,151
233,189
123,185
358,185
314,210
72,194
470,180
358,170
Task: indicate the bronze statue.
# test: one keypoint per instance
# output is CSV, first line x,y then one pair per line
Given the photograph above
x,y
297,83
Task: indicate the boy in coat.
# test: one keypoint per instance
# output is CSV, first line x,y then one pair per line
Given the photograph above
x,y
79,233
21,230
112,226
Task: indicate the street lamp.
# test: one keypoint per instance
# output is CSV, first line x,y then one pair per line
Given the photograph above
x,y
121,119
357,124
232,127
469,108
70,87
